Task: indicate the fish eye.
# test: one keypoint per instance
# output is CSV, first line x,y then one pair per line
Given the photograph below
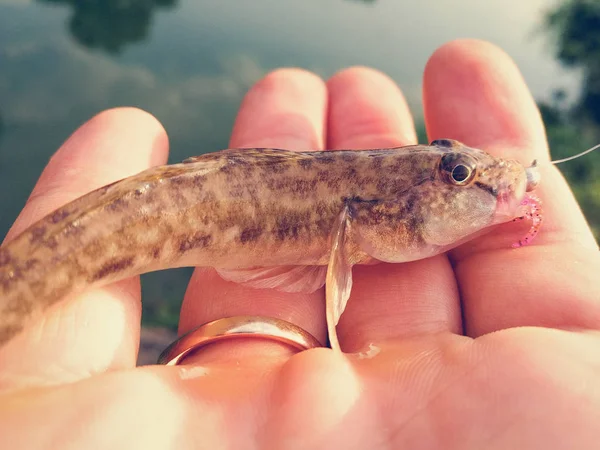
x,y
457,169
460,173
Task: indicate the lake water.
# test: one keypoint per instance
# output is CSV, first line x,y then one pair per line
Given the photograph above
x,y
190,62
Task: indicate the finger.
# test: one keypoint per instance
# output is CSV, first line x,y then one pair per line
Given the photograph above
x,y
474,93
286,109
367,110
99,330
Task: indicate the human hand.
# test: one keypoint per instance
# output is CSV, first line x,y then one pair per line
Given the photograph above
x,y
487,347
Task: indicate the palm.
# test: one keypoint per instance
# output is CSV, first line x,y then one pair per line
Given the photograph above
x,y
424,368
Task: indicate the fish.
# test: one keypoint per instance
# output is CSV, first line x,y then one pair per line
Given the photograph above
x,y
267,218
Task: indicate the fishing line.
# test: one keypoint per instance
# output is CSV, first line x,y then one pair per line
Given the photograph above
x,y
589,150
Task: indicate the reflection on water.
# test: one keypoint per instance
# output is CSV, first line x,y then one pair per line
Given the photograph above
x,y
189,63
110,24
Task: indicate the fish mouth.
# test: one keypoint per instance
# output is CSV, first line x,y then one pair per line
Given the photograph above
x,y
507,207
513,192
508,202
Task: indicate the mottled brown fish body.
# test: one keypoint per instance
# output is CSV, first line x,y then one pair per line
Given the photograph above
x,y
270,208
233,209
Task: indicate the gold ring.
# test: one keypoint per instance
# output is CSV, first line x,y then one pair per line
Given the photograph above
x,y
235,327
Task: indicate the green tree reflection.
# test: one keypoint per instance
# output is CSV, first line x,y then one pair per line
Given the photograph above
x,y
109,25
574,26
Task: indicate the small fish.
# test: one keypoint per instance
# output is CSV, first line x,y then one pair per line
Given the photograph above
x,y
267,218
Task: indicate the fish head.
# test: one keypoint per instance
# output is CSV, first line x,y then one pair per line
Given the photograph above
x,y
477,189
465,192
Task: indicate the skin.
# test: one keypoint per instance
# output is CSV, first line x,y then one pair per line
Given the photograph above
x,y
511,362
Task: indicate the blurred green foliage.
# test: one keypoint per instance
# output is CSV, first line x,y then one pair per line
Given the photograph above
x,y
574,27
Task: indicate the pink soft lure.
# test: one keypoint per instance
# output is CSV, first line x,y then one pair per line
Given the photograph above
x,y
533,211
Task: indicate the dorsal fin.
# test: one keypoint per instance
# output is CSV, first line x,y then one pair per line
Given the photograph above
x,y
252,156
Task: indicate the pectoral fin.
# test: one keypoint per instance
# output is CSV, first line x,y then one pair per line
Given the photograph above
x,y
281,278
339,278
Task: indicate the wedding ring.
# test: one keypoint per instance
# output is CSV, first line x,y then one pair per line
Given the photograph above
x,y
236,327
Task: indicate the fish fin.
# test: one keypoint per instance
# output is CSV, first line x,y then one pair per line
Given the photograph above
x,y
281,278
256,156
193,159
339,278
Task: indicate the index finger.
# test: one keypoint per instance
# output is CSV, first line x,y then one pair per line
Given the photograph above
x,y
474,93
